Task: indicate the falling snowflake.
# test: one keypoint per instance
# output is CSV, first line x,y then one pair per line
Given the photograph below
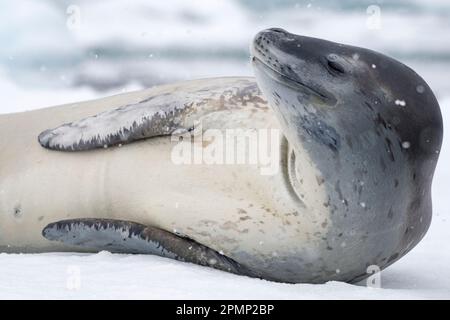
x,y
400,102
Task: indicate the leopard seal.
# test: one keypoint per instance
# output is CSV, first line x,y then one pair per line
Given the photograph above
x,y
356,153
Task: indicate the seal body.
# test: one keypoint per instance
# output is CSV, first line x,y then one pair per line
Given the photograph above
x,y
230,207
339,179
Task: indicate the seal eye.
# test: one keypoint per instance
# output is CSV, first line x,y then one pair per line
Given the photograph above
x,y
336,67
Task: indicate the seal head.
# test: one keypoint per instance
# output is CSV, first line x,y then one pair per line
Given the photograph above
x,y
373,128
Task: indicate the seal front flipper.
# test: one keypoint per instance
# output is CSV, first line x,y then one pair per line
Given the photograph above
x,y
120,236
158,114
151,117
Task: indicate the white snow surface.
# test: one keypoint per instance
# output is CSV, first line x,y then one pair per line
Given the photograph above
x,y
424,273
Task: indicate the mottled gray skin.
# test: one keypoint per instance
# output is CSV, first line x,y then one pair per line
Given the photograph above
x,y
377,157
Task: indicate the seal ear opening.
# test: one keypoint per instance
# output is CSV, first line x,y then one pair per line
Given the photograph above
x,y
119,236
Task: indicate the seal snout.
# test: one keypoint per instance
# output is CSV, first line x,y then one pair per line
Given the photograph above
x,y
265,40
293,61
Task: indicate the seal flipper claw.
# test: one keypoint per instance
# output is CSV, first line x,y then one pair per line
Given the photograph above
x,y
120,236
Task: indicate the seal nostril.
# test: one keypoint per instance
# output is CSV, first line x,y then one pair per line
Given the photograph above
x,y
278,30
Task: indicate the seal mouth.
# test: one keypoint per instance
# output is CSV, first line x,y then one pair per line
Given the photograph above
x,y
291,82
